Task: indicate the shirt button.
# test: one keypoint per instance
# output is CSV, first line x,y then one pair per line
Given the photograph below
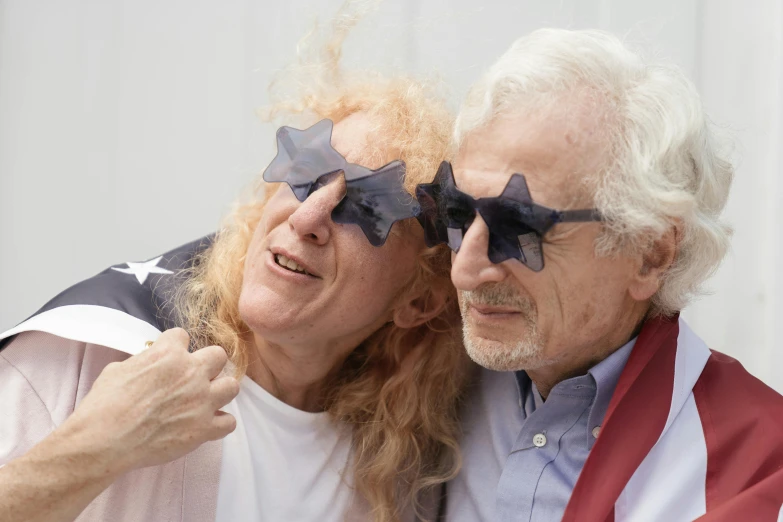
x,y
539,440
596,431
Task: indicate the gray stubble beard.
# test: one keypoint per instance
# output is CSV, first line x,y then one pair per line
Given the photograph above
x,y
524,354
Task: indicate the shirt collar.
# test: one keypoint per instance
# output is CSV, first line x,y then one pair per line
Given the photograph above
x,y
605,375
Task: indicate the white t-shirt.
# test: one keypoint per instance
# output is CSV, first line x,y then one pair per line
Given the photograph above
x,y
282,464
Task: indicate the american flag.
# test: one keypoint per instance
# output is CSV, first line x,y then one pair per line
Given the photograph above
x,y
122,307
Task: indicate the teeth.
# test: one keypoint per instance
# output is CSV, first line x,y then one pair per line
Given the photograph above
x,y
289,264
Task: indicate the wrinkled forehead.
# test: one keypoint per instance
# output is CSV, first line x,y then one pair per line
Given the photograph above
x,y
556,150
359,139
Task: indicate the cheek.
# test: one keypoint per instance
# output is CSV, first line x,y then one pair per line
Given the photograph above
x,y
593,293
250,297
375,276
278,207
256,248
275,213
563,294
372,275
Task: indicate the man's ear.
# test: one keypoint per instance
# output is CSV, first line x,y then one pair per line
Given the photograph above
x,y
656,259
418,307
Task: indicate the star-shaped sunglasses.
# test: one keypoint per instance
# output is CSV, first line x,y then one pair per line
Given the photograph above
x,y
516,224
374,199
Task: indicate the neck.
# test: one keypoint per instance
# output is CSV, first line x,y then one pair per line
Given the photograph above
x,y
577,360
294,374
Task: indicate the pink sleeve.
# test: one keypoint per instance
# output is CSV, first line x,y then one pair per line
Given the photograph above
x,y
42,378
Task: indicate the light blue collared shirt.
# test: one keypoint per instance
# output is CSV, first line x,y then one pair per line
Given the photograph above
x,y
531,450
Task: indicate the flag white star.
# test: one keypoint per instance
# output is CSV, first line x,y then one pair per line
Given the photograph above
x,y
142,270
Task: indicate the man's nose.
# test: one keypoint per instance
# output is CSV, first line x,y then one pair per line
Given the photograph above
x,y
312,219
471,266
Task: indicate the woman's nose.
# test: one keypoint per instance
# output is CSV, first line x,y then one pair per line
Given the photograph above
x,y
312,219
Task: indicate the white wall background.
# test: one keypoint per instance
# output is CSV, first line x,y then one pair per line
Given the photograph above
x,y
127,126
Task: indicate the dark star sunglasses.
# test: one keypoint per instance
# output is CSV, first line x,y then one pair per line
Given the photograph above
x,y
516,224
374,199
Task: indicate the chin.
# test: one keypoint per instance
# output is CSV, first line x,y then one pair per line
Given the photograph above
x,y
265,316
504,355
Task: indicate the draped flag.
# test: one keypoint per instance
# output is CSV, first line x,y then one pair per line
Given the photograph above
x,y
689,435
123,307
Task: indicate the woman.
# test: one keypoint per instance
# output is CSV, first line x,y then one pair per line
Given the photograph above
x,y
348,364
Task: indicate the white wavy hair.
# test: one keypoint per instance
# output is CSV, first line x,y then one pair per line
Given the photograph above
x,y
664,164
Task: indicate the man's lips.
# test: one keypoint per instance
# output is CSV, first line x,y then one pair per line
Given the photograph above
x,y
493,310
491,315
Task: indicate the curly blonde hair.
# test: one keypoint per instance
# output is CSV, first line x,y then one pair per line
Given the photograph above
x,y
400,389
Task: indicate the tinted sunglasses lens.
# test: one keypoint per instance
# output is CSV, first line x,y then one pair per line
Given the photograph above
x,y
510,236
525,248
429,215
304,156
375,202
459,213
446,214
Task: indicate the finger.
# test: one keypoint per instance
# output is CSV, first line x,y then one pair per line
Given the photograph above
x,y
223,390
222,424
175,338
213,359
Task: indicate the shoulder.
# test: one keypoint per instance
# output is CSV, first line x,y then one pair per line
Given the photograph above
x,y
58,372
42,379
742,420
491,420
726,388
491,401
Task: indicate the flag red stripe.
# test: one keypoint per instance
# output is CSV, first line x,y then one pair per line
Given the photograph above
x,y
742,420
634,421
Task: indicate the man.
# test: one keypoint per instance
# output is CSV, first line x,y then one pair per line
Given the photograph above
x,y
596,402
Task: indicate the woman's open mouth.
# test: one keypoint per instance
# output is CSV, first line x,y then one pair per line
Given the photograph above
x,y
290,264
